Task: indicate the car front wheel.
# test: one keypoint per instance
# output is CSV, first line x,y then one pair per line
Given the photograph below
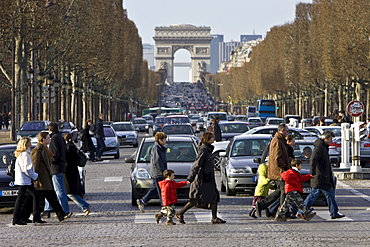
x,y
217,159
229,192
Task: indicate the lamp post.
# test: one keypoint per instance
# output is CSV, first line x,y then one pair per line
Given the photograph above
x,y
50,85
40,81
30,93
56,99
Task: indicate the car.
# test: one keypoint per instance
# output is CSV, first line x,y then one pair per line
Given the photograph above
x,y
221,115
149,120
32,128
68,128
255,122
319,130
194,119
177,119
179,130
231,129
288,117
141,181
8,190
274,121
299,134
111,142
126,133
230,118
242,118
141,125
237,167
159,121
200,125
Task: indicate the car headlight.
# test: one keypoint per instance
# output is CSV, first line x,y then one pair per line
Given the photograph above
x,y
238,170
146,127
111,144
142,173
130,136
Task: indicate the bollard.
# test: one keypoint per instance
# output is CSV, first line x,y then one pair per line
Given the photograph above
x,y
356,142
346,138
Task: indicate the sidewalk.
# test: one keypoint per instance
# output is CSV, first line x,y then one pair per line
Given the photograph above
x,y
5,137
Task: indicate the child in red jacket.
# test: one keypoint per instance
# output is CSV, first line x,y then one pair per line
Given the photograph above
x,y
169,196
293,187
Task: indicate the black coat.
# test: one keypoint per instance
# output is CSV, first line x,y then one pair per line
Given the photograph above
x,y
217,132
321,167
87,143
202,177
58,147
73,185
99,129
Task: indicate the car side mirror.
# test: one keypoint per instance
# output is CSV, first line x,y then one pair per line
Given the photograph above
x,y
222,154
257,160
129,160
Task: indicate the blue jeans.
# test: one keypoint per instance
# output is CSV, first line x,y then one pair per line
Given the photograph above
x,y
58,183
155,190
100,146
81,203
330,198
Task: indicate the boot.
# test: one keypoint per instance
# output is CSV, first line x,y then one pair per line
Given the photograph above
x,y
170,222
252,213
158,217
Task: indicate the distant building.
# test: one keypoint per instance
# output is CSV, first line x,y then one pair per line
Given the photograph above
x,y
227,48
249,37
215,52
148,55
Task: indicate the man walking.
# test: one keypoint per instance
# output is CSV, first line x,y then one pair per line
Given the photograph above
x,y
100,137
58,167
217,130
324,179
278,162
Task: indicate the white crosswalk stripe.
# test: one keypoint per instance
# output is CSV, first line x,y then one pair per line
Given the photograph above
x,y
201,217
324,214
113,179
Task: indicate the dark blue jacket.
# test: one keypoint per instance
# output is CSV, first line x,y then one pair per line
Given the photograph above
x,y
58,147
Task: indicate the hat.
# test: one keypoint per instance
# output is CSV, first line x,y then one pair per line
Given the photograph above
x,y
327,134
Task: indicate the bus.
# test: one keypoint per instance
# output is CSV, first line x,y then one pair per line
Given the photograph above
x,y
266,108
251,111
154,111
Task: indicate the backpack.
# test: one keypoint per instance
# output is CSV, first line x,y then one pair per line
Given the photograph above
x,y
10,170
81,161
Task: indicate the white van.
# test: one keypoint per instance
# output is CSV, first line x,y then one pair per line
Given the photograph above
x,y
221,115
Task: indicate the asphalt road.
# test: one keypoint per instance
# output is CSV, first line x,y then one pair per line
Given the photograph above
x,y
114,222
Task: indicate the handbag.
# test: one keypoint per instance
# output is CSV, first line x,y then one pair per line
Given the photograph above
x,y
82,159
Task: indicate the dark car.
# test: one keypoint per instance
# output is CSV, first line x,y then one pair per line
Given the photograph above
x,y
158,124
32,128
179,130
141,125
233,128
68,128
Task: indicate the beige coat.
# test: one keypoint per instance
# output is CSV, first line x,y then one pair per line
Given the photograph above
x,y
278,158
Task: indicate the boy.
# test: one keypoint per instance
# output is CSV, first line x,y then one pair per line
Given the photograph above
x,y
293,187
168,188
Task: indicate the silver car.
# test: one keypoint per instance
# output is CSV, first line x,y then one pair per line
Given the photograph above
x,y
126,133
181,153
141,125
111,142
237,166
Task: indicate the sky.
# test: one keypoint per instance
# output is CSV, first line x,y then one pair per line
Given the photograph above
x,y
228,17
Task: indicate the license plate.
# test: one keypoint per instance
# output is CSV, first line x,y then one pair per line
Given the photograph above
x,y
254,178
9,193
306,190
122,139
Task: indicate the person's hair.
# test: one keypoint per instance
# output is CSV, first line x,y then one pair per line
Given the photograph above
x,y
87,122
281,127
296,162
53,127
307,148
42,135
289,137
167,173
68,137
101,115
327,134
21,147
160,136
206,137
343,112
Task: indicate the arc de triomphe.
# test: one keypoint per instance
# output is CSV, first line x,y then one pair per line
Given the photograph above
x,y
197,40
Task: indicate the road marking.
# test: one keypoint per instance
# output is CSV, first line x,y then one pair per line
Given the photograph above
x,y
353,191
141,218
113,179
324,214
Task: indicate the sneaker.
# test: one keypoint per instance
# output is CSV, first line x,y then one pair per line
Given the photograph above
x,y
87,212
218,221
300,216
280,218
309,216
180,218
338,216
268,213
69,215
252,213
158,217
140,205
170,222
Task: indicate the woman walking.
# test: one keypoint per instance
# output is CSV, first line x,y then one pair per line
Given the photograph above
x,y
73,186
203,191
26,178
41,156
87,143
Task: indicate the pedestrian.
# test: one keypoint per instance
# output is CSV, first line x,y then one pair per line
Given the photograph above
x,y
217,130
323,181
210,127
343,118
25,178
87,143
321,122
100,137
290,141
203,191
1,121
168,188
41,159
6,120
262,188
158,164
278,162
293,188
73,187
58,148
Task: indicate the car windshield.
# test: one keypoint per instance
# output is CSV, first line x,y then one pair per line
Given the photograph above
x,y
249,147
109,132
276,121
6,155
139,121
241,118
175,152
64,125
175,130
148,117
123,127
303,151
254,120
33,126
159,120
221,116
175,120
234,128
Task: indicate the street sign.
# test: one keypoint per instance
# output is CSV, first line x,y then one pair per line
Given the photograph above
x,y
355,108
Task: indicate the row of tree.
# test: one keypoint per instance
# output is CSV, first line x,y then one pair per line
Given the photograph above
x,y
312,66
71,60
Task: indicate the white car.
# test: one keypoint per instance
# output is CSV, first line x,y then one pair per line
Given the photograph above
x,y
126,133
111,142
